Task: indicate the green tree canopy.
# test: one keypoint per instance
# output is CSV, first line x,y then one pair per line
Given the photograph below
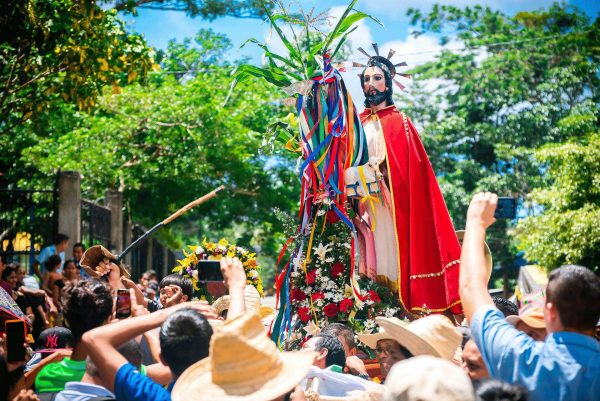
x,y
517,86
170,141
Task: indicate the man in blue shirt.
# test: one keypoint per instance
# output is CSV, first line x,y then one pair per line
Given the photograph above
x,y
184,339
564,367
61,242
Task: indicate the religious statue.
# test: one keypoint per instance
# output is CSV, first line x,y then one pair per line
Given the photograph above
x,y
406,237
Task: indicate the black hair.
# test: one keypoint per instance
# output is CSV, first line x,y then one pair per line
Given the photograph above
x,y
177,279
8,271
71,261
341,330
86,304
184,339
334,347
79,245
507,307
575,290
388,81
60,238
496,390
132,351
52,263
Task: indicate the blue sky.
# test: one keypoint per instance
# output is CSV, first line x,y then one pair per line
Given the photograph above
x,y
160,26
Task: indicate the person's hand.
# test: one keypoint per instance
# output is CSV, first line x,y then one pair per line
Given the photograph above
x,y
111,271
200,306
481,209
26,395
233,272
59,355
175,295
355,365
298,395
139,295
137,309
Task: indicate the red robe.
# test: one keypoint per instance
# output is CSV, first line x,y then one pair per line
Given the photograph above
x,y
429,251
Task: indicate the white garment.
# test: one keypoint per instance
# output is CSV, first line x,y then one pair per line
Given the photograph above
x,y
335,384
386,248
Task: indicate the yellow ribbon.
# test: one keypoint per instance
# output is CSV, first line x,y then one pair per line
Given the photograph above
x,y
312,234
368,197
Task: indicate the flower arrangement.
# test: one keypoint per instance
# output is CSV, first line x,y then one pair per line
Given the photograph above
x,y
321,294
211,251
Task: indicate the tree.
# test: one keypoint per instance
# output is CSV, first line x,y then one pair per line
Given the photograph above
x,y
567,230
207,9
169,141
509,92
63,50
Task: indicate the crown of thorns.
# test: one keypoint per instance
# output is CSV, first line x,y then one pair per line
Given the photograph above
x,y
385,61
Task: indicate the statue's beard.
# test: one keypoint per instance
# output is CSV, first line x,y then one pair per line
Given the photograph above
x,y
375,97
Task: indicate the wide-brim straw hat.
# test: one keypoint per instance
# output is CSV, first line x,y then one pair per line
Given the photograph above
x,y
370,340
251,297
460,234
431,335
244,365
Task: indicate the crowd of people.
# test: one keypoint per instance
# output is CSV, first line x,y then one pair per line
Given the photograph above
x,y
172,347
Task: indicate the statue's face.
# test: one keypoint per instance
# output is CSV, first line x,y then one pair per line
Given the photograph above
x,y
374,86
374,80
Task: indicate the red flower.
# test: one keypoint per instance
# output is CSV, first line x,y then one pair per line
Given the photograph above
x,y
373,296
331,217
311,276
337,269
330,310
346,305
317,295
304,314
297,294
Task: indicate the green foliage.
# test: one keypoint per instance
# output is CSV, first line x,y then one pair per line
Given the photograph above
x,y
55,50
170,141
567,232
521,83
304,48
207,9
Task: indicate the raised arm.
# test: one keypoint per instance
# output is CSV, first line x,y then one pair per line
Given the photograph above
x,y
474,275
235,280
101,343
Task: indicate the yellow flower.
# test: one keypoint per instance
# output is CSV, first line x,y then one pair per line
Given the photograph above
x,y
223,242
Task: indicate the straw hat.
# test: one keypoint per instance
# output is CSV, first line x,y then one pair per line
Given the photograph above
x,y
488,254
370,340
251,297
533,318
244,365
431,335
94,255
427,378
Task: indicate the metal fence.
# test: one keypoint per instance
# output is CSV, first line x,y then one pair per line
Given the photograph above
x,y
28,220
95,224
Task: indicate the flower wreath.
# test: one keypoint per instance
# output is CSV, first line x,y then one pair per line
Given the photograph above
x,y
211,251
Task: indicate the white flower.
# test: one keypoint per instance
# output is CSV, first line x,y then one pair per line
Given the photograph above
x,y
253,274
195,274
312,329
322,250
320,212
199,250
347,245
329,260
